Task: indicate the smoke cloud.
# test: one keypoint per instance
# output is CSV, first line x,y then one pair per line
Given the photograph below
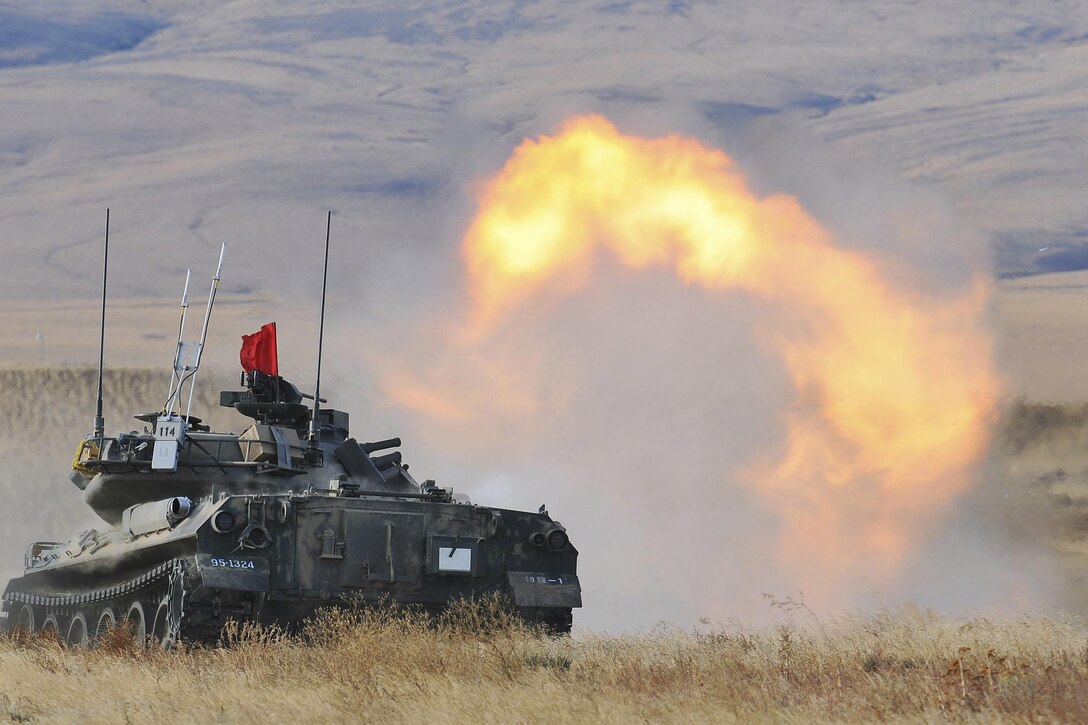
x,y
641,409
634,406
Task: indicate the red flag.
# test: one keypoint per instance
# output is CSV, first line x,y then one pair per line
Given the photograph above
x,y
259,351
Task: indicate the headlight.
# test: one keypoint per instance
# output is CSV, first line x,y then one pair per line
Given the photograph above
x,y
558,540
223,522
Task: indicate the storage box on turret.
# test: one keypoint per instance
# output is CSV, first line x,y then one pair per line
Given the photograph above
x,y
271,444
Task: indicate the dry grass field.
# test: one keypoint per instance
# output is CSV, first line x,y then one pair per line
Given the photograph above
x,y
475,665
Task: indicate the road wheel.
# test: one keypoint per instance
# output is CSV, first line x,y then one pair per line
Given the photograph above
x,y
136,621
51,627
106,621
77,631
162,633
25,621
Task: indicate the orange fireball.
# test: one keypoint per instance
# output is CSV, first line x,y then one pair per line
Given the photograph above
x,y
894,388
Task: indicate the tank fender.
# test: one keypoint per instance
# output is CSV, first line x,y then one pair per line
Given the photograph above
x,y
533,589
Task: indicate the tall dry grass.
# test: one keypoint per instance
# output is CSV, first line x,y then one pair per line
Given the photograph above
x,y
476,665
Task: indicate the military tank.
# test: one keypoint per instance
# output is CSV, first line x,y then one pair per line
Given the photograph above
x,y
292,515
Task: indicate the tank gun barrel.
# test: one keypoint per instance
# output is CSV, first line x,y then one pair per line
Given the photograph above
x,y
389,459
369,448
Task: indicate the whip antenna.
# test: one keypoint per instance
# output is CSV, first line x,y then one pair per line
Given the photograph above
x,y
99,421
320,340
204,328
175,378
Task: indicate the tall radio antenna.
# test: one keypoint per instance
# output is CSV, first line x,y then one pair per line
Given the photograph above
x,y
176,377
320,340
99,421
204,327
187,354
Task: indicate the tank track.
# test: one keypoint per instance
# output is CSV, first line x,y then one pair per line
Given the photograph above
x,y
167,604
164,604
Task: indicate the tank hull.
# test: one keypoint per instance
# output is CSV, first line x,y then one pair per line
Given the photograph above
x,y
279,558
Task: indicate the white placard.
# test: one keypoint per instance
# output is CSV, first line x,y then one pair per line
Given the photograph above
x,y
450,559
165,456
169,435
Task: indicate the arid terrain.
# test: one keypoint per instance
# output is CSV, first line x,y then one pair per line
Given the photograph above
x,y
938,146
476,666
